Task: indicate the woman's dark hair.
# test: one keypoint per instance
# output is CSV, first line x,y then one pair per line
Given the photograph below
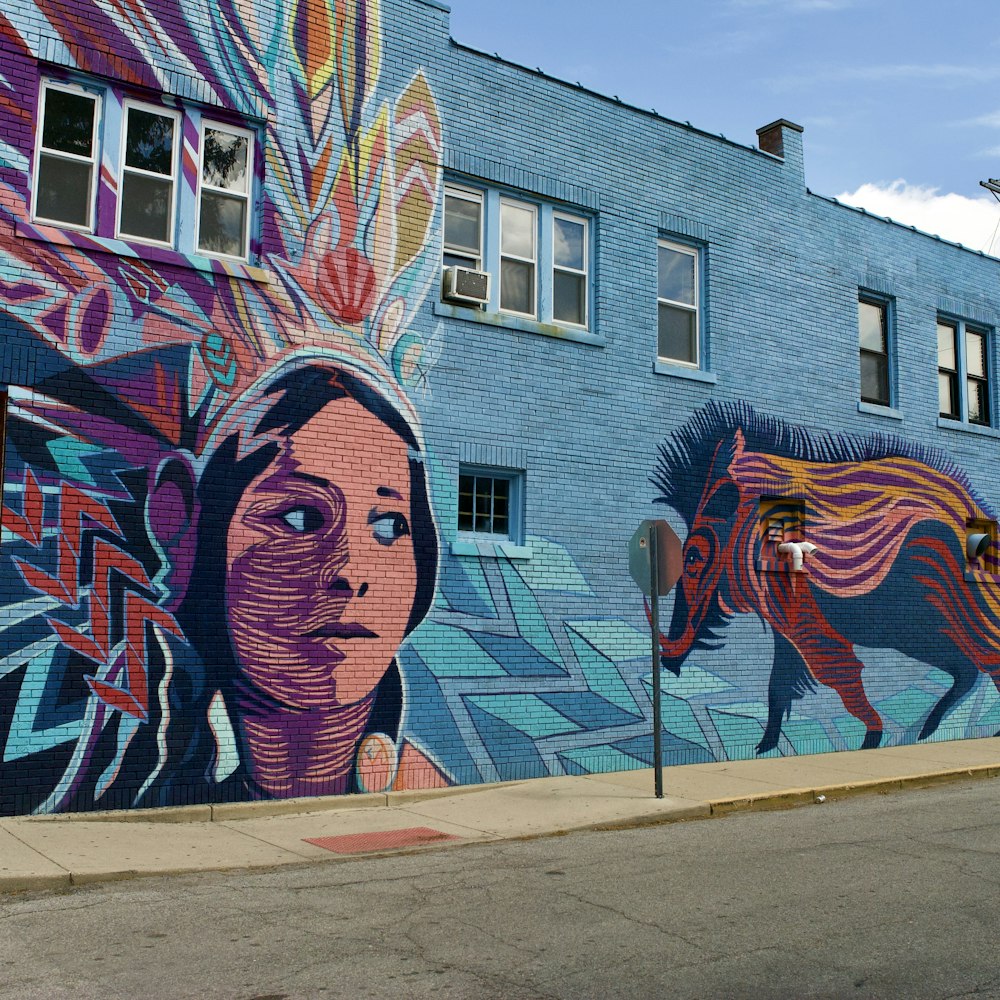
x,y
202,615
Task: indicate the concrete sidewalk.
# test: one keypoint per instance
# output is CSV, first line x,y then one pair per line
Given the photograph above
x,y
46,852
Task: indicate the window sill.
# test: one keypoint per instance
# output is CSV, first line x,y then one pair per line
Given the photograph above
x,y
489,549
520,324
682,371
874,410
981,576
964,428
146,252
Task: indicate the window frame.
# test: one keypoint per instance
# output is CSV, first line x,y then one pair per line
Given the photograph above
x,y
48,84
531,207
201,186
542,320
695,253
515,504
162,111
885,305
561,268
463,194
960,377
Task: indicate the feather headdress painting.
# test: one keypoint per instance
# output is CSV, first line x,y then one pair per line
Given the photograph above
x,y
150,376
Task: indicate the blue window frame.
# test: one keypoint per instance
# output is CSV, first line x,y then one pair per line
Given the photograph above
x,y
964,372
490,504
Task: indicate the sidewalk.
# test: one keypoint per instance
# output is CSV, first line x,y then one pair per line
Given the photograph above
x,y
46,852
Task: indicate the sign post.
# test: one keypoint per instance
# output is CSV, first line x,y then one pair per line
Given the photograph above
x,y
654,557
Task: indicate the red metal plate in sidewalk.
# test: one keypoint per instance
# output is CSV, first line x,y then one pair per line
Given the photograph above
x,y
386,840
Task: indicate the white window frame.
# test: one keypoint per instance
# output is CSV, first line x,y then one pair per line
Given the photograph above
x,y
465,194
585,273
533,261
217,126
163,112
515,503
94,160
695,254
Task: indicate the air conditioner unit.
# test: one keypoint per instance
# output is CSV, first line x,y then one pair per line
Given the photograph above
x,y
462,284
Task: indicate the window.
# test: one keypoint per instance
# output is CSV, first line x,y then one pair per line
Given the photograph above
x,y
463,229
963,358
147,198
518,239
569,269
540,254
489,503
66,165
146,193
224,195
873,336
678,335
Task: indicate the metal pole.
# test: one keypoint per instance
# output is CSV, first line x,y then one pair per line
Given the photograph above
x,y
654,616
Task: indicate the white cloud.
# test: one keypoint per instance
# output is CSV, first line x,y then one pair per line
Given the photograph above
x,y
972,222
992,120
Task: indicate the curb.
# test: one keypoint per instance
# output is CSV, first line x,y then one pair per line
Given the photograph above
x,y
690,810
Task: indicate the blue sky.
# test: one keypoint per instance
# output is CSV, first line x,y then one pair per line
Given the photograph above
x,y
900,99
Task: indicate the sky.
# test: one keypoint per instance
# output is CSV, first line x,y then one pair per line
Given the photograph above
x,y
900,99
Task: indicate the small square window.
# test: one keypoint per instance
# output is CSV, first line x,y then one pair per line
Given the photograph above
x,y
678,326
873,340
490,503
66,170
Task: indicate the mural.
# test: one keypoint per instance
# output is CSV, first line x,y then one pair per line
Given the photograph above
x,y
889,523
217,523
221,575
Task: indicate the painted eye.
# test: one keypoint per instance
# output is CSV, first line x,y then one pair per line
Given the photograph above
x,y
389,528
302,520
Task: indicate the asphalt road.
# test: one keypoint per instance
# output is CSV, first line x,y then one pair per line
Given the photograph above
x,y
881,896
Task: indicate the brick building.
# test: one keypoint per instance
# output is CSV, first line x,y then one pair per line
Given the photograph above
x,y
342,361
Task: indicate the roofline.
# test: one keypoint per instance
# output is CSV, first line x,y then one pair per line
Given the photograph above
x,y
900,225
615,101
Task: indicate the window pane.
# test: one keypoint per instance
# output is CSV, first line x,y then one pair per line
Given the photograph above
x,y
975,354
568,244
462,224
466,488
64,191
678,335
517,286
146,207
875,378
947,357
871,326
947,394
223,224
69,122
149,142
225,160
568,298
517,226
676,276
457,260
979,407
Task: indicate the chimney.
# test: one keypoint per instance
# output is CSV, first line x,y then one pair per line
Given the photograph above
x,y
780,137
783,140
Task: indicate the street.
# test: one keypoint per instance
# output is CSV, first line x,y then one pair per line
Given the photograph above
x,y
876,896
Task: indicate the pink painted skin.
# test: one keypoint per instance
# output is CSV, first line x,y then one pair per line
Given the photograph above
x,y
321,575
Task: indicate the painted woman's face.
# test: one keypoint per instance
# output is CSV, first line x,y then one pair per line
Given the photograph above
x,y
321,574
